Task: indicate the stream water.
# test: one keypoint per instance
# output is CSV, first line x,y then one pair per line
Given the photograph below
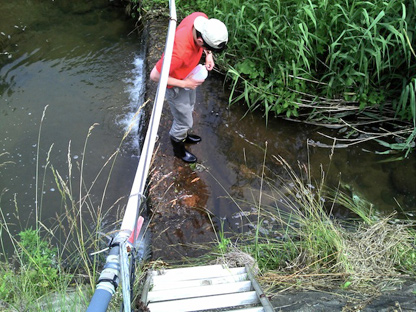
x,y
81,64
238,148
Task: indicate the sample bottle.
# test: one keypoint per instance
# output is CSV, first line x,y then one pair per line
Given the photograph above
x,y
200,73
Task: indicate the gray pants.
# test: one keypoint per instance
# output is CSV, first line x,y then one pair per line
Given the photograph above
x,y
181,104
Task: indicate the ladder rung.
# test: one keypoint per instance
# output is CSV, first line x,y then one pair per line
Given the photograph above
x,y
255,309
201,291
200,282
212,302
194,274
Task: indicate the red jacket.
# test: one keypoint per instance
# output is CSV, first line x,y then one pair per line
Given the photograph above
x,y
186,54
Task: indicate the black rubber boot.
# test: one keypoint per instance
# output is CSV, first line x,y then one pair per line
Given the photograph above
x,y
180,151
192,139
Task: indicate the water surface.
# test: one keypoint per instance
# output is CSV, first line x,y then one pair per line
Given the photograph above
x,y
79,64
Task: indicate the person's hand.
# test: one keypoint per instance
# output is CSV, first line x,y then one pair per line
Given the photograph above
x,y
209,62
191,83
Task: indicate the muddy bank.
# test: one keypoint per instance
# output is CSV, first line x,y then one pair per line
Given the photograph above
x,y
188,204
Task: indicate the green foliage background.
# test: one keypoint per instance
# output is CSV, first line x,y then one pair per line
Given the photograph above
x,y
38,269
284,56
358,51
324,59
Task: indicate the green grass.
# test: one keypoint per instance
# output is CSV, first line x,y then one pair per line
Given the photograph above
x,y
320,61
39,274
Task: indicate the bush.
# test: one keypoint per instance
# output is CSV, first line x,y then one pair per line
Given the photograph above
x,y
37,260
35,274
319,57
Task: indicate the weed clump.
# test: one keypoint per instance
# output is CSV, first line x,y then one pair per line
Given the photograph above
x,y
305,246
34,273
379,251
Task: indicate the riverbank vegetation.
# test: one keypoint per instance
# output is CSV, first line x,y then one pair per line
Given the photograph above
x,y
292,237
298,242
54,265
342,64
295,240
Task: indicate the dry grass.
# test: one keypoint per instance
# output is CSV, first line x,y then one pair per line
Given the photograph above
x,y
374,252
237,258
308,248
373,258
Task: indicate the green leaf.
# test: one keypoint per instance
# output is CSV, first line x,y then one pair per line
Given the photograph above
x,y
346,285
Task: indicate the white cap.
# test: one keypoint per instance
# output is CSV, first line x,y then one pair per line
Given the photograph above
x,y
213,31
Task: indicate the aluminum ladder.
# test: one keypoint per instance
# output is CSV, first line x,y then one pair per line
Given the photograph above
x,y
204,288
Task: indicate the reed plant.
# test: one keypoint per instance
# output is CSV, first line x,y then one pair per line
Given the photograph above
x,y
324,60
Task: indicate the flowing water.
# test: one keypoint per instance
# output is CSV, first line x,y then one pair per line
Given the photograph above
x,y
81,65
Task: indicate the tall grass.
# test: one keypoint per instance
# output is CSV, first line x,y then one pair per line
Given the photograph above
x,y
285,57
297,241
51,266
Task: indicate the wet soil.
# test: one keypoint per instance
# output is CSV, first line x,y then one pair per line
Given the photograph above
x,y
187,203
403,299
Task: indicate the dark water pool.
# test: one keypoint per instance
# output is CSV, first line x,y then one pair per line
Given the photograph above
x,y
240,144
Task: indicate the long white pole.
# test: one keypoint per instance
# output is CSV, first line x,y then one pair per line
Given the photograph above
x,y
109,277
139,183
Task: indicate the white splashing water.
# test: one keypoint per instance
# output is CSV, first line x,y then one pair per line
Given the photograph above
x,y
131,120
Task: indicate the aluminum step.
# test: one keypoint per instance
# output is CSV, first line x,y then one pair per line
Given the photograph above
x,y
191,292
204,303
204,288
200,282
